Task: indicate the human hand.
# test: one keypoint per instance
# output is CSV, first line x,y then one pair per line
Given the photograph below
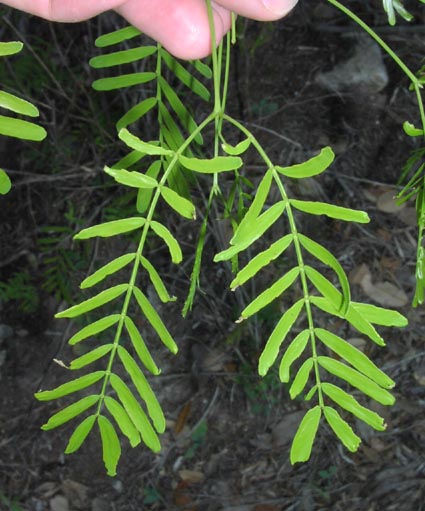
x,y
181,26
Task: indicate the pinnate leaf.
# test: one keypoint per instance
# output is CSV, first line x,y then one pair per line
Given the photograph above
x,y
93,303
112,228
379,315
157,282
143,147
183,206
123,420
71,411
5,183
110,445
133,179
116,37
137,112
170,240
309,168
330,210
122,81
304,437
292,353
94,328
10,48
301,379
212,165
18,105
108,269
140,347
238,149
122,57
24,130
341,429
91,356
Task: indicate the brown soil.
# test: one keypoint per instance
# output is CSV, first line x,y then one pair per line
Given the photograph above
x,y
229,433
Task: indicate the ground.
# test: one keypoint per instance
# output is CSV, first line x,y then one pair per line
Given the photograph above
x,y
229,432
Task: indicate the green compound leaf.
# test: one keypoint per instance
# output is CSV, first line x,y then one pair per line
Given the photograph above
x,y
183,206
341,429
18,105
355,357
71,411
70,387
157,282
270,294
133,179
144,389
110,445
122,57
212,165
116,37
357,380
304,437
143,147
93,303
91,356
292,353
112,228
122,81
323,255
10,48
153,317
271,350
238,149
301,379
310,394
349,403
23,130
173,245
136,414
258,228
331,211
123,420
108,269
94,328
410,130
144,196
80,433
260,260
5,183
309,168
137,112
324,286
140,347
185,76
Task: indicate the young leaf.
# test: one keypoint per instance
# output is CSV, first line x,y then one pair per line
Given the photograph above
x,y
133,179
112,228
258,228
304,437
94,328
260,260
355,357
140,347
110,445
93,303
154,319
211,166
108,269
342,429
144,389
183,206
157,282
143,147
301,379
24,130
136,113
357,380
123,420
71,386
91,356
309,168
346,401
116,37
170,240
5,183
137,415
122,57
71,411
80,434
271,350
338,212
122,81
292,353
323,255
237,149
18,105
270,294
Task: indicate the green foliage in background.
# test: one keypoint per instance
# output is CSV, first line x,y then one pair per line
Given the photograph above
x,y
116,398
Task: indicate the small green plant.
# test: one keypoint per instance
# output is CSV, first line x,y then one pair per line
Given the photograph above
x,y
314,362
22,291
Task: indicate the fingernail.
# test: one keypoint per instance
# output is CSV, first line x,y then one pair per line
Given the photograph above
x,y
280,7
